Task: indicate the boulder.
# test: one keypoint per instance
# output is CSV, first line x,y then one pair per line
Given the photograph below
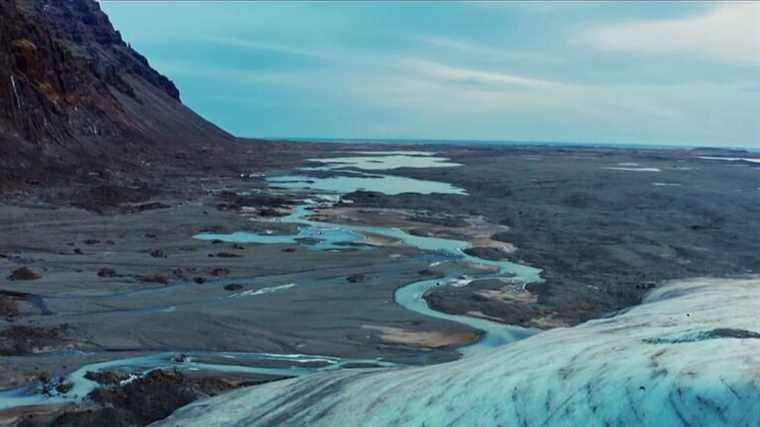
x,y
107,272
24,273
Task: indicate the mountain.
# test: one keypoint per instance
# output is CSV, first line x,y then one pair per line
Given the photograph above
x,y
73,93
686,356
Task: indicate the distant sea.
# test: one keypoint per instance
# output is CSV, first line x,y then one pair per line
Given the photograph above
x,y
464,142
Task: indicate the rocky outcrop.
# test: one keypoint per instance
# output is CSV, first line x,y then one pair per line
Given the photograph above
x,y
487,252
20,340
24,273
71,89
686,356
131,403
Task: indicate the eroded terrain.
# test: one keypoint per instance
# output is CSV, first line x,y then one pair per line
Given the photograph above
x,y
303,264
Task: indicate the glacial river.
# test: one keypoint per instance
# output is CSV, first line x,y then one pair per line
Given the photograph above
x,y
330,237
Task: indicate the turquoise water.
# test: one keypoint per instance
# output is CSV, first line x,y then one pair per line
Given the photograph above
x,y
301,364
650,365
394,160
331,236
390,153
386,184
411,295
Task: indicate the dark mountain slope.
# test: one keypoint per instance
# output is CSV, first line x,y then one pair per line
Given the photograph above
x,y
73,94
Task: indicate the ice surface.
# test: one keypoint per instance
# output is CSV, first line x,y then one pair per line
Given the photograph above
x,y
689,355
630,169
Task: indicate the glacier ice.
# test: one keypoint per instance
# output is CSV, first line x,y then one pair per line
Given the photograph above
x,y
688,355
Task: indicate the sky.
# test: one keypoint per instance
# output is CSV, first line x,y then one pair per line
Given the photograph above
x,y
680,73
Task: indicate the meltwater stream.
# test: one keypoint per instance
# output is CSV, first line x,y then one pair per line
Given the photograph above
x,y
286,365
411,295
331,237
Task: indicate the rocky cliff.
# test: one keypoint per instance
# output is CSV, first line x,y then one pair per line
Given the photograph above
x,y
73,91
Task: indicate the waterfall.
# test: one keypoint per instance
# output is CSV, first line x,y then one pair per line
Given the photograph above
x,y
15,92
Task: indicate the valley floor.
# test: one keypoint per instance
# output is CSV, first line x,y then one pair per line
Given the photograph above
x,y
605,226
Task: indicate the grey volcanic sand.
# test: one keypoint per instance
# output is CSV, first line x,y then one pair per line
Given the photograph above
x,y
602,236
117,316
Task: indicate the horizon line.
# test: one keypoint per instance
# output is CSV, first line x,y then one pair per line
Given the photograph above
x,y
421,141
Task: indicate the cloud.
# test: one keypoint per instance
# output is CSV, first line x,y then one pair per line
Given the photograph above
x,y
460,45
256,45
489,70
730,31
486,51
476,77
435,96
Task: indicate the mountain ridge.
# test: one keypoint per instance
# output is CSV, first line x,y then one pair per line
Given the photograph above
x,y
73,93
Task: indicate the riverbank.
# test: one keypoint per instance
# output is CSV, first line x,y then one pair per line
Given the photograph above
x,y
129,280
686,356
604,225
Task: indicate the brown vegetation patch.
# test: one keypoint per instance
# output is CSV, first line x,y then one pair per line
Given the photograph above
x,y
156,278
429,339
24,44
21,340
24,273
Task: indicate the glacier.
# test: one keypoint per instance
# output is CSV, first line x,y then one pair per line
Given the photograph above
x,y
688,355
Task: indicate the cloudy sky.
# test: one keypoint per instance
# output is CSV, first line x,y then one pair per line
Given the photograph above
x,y
636,73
